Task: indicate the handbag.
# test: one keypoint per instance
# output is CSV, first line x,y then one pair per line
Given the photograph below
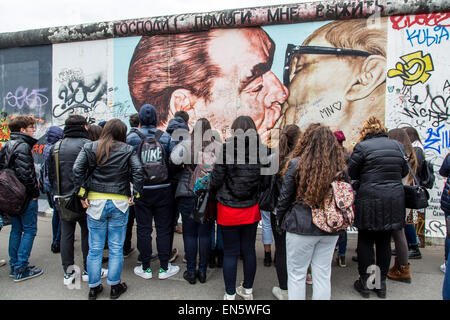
x,y
202,198
268,198
416,196
69,206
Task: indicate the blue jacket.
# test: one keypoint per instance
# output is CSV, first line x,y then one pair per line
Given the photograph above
x,y
53,134
445,198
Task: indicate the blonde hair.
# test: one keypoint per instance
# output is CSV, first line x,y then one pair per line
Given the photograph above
x,y
371,126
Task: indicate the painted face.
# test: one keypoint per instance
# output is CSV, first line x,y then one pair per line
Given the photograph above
x,y
318,86
246,85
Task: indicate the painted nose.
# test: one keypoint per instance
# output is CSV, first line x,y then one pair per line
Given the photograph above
x,y
277,92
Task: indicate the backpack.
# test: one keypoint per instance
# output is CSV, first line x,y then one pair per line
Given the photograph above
x,y
153,158
200,175
426,175
13,194
337,213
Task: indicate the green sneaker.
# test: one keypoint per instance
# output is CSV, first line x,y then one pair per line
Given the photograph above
x,y
146,274
171,270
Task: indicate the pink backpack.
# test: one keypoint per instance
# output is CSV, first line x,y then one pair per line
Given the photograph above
x,y
337,213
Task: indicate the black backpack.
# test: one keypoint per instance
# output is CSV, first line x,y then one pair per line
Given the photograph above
x,y
153,158
426,175
13,194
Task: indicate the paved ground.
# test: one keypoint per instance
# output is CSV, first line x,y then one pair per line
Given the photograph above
x,y
426,283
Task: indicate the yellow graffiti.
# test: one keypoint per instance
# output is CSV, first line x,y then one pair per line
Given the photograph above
x,y
415,68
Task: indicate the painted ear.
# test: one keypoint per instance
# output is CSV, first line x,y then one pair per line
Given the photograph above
x,y
371,75
182,100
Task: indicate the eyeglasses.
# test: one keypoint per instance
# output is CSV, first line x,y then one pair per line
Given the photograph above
x,y
293,49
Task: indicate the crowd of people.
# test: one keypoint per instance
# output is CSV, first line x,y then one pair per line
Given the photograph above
x,y
153,177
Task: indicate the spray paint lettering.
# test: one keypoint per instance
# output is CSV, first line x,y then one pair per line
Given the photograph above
x,y
329,111
22,97
78,95
427,20
437,139
427,36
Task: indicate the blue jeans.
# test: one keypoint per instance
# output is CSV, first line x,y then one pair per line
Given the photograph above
x,y
113,223
342,244
21,238
411,236
236,240
446,286
447,237
56,224
266,227
196,237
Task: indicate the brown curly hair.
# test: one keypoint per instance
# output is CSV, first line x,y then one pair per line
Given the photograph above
x,y
320,161
401,136
372,126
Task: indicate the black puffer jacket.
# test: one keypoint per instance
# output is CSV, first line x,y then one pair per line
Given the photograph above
x,y
238,185
121,168
75,137
22,161
378,164
296,217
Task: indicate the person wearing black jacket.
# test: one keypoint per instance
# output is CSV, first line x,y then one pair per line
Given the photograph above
x,y
24,227
317,160
75,137
378,164
237,181
288,139
410,229
102,173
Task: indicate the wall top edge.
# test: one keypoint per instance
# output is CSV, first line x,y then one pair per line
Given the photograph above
x,y
230,18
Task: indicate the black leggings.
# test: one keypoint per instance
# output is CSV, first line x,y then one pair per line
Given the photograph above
x,y
236,240
366,255
280,253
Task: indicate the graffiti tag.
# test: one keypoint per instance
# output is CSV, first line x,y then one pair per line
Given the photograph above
x,y
22,97
416,68
427,20
77,95
328,111
426,36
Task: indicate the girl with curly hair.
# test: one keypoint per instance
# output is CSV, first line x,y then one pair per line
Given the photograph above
x,y
316,161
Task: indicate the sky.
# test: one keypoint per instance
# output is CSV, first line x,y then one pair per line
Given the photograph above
x,y
36,14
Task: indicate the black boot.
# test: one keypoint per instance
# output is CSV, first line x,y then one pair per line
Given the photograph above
x,y
93,292
414,252
267,259
212,258
381,293
361,286
219,258
117,290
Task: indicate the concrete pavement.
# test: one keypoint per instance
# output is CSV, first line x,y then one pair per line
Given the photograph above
x,y
426,283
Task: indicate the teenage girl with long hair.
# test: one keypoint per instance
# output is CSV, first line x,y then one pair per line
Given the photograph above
x,y
317,160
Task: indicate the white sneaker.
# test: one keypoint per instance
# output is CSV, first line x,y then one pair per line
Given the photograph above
x,y
279,293
171,271
85,276
2,262
443,267
229,296
69,278
247,294
146,274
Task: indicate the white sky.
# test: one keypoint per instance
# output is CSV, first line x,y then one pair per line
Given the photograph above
x,y
35,14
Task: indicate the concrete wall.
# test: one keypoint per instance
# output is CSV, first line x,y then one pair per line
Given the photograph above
x,y
210,67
